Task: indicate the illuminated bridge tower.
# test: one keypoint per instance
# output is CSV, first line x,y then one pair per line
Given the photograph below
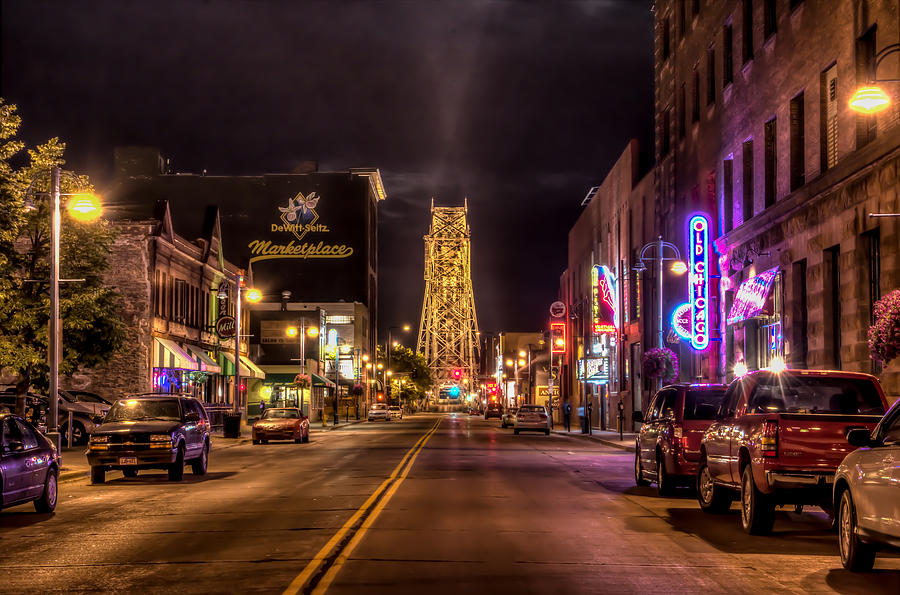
x,y
448,327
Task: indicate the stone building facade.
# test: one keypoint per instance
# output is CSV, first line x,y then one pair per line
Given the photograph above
x,y
754,129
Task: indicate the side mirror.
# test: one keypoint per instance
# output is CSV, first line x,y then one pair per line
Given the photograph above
x,y
637,417
860,437
192,416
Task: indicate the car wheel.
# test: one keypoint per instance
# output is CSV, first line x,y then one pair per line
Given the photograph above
x,y
79,435
98,475
199,465
130,472
757,510
176,469
712,498
47,501
516,431
663,481
298,439
255,441
264,441
547,432
638,472
306,436
856,556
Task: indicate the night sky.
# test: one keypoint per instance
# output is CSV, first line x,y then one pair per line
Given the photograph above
x,y
519,106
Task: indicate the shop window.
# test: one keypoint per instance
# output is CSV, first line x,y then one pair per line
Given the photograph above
x,y
770,18
800,315
832,304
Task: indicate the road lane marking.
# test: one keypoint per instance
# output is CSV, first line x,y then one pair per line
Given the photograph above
x,y
326,581
301,579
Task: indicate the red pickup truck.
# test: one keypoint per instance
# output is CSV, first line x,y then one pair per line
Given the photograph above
x,y
779,438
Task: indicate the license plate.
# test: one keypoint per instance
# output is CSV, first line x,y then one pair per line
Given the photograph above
x,y
128,460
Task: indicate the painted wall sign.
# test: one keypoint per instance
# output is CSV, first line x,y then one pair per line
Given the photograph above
x,y
605,315
698,280
681,321
750,298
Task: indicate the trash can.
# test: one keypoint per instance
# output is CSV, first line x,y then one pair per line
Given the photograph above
x,y
231,425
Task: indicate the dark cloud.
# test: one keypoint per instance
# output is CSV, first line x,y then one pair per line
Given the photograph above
x,y
519,106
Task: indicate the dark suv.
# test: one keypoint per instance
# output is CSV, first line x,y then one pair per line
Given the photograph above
x,y
668,445
493,410
153,431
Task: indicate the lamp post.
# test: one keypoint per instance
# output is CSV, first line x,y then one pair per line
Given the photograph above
x,y
390,346
85,208
678,267
871,99
252,296
309,331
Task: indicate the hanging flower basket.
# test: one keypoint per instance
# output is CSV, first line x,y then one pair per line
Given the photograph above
x,y
884,334
661,364
357,390
302,381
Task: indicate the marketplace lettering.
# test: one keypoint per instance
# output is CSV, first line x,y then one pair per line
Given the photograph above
x,y
265,250
300,228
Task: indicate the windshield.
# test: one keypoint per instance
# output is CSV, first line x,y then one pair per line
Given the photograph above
x,y
281,414
703,404
789,393
137,409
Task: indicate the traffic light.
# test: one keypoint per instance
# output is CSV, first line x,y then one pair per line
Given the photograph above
x,y
557,337
381,396
457,373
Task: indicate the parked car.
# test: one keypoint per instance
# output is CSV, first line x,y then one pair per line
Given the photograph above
x,y
779,439
509,417
153,431
97,404
532,418
667,448
38,405
29,465
396,412
867,493
281,423
379,411
493,410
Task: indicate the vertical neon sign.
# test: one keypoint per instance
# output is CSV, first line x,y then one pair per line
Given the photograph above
x,y
698,244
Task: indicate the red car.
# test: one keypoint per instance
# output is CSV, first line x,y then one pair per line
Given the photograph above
x,y
281,423
779,438
667,448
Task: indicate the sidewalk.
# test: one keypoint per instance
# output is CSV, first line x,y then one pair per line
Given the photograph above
x,y
604,437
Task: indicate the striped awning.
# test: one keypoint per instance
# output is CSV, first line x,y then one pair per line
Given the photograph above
x,y
206,363
248,368
321,381
168,354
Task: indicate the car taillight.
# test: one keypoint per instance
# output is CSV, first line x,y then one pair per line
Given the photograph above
x,y
769,441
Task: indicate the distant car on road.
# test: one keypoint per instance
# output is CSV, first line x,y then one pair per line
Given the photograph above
x,y
281,423
532,418
493,410
29,465
152,431
509,417
867,493
379,411
667,449
396,412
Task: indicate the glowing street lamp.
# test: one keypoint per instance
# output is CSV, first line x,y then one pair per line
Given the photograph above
x,y
678,267
871,98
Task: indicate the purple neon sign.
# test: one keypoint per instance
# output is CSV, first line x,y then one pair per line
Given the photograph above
x,y
751,296
698,280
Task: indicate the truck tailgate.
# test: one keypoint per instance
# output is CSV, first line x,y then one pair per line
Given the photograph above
x,y
817,441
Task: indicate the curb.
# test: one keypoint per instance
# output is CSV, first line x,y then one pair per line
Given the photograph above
x,y
603,441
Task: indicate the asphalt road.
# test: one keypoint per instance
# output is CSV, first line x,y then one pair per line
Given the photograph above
x,y
435,504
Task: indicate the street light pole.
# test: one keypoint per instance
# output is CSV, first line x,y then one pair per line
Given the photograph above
x,y
54,340
237,344
660,259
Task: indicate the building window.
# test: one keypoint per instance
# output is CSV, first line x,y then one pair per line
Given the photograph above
x,y
770,20
666,38
829,118
666,131
157,282
727,55
747,180
682,26
800,315
710,75
832,294
872,242
695,108
770,162
748,30
682,112
728,194
798,143
696,7
866,124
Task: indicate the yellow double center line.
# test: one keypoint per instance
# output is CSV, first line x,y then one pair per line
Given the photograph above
x,y
327,552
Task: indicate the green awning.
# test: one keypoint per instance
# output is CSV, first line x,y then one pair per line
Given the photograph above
x,y
280,378
319,381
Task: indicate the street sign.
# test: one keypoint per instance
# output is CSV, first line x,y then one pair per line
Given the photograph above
x,y
557,309
225,327
542,391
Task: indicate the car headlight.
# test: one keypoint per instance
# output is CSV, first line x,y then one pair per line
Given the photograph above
x,y
157,438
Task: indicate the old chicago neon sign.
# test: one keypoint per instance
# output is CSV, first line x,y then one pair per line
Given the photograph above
x,y
698,281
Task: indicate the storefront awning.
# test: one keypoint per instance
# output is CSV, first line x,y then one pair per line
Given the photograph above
x,y
751,296
319,381
168,354
206,363
248,368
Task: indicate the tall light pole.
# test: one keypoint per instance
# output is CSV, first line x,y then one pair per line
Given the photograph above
x,y
252,296
304,331
85,208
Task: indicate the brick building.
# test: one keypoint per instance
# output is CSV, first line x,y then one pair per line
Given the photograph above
x,y
754,129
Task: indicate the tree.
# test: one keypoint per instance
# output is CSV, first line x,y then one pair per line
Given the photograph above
x,y
91,325
408,364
